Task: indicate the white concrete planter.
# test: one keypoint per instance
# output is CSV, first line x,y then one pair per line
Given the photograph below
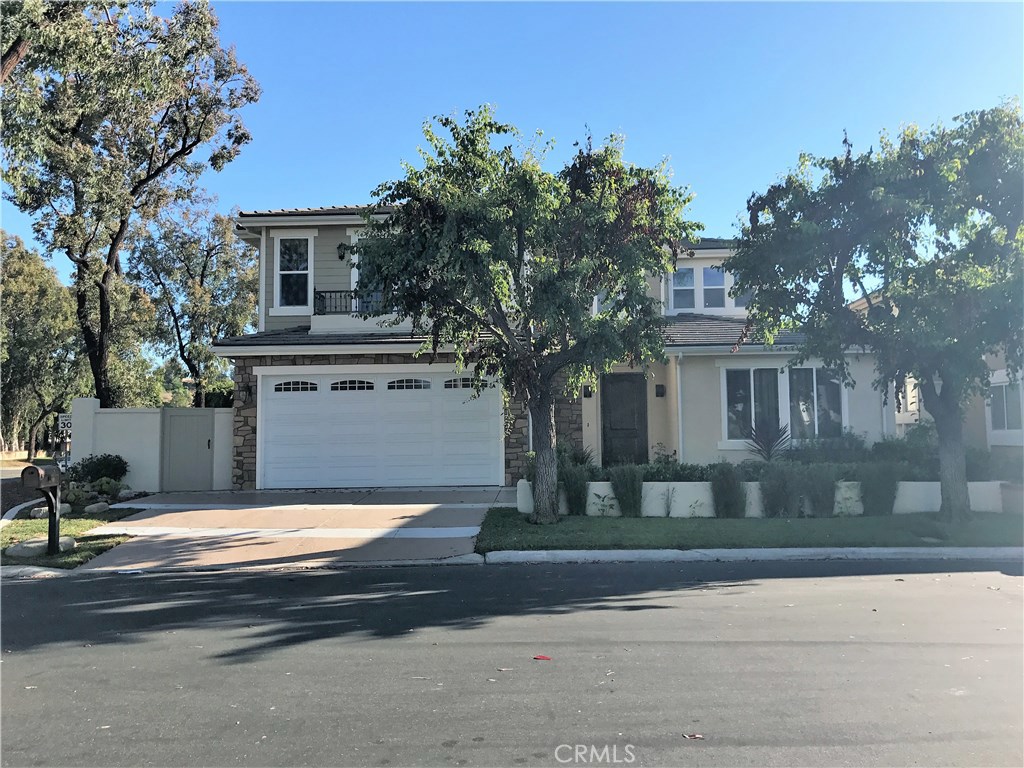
x,y
695,499
524,499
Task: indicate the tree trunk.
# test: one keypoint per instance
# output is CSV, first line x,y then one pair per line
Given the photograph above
x,y
944,408
12,56
32,442
97,341
545,481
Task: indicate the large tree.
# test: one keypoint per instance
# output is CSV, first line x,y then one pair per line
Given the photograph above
x,y
928,233
203,282
492,256
103,128
41,361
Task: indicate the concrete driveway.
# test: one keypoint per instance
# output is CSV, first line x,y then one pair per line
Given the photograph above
x,y
300,529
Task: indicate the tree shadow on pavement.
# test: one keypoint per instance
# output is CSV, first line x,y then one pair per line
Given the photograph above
x,y
265,612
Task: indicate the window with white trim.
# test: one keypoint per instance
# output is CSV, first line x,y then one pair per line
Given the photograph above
x,y
1005,406
714,288
815,404
460,383
409,384
751,398
295,386
683,288
293,259
351,385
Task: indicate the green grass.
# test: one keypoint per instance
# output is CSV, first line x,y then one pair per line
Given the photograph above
x,y
505,528
72,525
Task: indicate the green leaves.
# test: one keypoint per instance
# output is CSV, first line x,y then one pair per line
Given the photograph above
x,y
491,254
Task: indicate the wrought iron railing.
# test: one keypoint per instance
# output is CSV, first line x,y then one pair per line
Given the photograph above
x,y
343,303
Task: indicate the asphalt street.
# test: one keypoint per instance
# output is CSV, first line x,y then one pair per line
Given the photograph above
x,y
773,664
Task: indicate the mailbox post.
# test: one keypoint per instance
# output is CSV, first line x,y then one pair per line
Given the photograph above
x,y
47,481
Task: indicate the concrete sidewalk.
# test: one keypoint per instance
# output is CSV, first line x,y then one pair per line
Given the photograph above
x,y
308,529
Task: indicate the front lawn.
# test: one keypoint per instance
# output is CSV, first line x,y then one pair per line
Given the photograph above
x,y
505,529
70,525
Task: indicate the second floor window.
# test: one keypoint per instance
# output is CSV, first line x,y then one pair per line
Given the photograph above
x,y
714,288
293,272
683,289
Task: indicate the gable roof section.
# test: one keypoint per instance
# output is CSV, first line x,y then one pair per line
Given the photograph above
x,y
693,330
336,210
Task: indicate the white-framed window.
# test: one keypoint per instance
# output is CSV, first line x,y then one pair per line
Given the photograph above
x,y
815,404
293,271
751,398
1005,407
351,385
741,301
714,288
409,384
683,289
295,386
463,382
810,401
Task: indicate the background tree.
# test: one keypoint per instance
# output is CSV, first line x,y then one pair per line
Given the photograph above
x,y
501,261
41,362
203,281
24,23
929,233
102,130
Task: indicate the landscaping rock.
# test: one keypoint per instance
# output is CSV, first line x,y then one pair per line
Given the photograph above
x,y
41,513
95,509
37,547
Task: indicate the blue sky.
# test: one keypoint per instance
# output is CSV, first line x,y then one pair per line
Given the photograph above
x,y
730,93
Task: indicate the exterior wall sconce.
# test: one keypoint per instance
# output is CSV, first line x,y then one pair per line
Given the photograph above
x,y
588,391
659,390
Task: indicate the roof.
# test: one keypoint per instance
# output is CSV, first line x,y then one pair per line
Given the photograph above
x,y
712,243
693,330
300,336
684,330
336,210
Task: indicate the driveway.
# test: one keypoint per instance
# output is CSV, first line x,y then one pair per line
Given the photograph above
x,y
305,529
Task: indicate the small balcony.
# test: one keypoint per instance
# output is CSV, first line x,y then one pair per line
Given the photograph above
x,y
342,312
342,303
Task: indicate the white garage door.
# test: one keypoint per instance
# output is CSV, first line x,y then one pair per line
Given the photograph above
x,y
370,428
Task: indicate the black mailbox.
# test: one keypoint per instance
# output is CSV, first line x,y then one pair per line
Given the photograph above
x,y
40,477
47,480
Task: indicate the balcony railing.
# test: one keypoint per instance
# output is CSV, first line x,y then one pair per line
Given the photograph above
x,y
342,303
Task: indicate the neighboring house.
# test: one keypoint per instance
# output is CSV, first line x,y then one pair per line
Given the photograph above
x,y
326,399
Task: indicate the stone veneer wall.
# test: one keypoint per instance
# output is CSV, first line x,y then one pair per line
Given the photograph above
x,y
568,413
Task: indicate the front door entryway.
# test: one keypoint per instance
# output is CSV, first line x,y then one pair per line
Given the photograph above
x,y
623,418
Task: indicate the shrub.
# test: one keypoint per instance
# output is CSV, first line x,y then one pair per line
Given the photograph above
x,y
1007,467
575,478
781,490
750,470
628,484
93,468
107,486
879,482
573,455
674,472
848,448
769,440
727,491
820,487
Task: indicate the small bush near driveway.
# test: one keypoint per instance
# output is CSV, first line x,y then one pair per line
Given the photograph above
x,y
727,490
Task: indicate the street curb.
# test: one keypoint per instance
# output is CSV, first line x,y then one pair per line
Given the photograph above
x,y
753,555
31,572
311,565
11,513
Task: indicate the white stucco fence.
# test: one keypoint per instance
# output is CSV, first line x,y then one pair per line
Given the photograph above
x,y
137,434
694,499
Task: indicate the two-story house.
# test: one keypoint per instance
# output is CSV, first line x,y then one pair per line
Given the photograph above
x,y
327,399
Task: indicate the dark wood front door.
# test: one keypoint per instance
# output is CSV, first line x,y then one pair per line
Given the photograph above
x,y
623,419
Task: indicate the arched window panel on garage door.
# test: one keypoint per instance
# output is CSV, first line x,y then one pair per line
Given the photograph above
x,y
409,384
296,386
464,382
351,385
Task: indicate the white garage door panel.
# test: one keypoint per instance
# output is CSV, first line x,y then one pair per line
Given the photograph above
x,y
380,437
